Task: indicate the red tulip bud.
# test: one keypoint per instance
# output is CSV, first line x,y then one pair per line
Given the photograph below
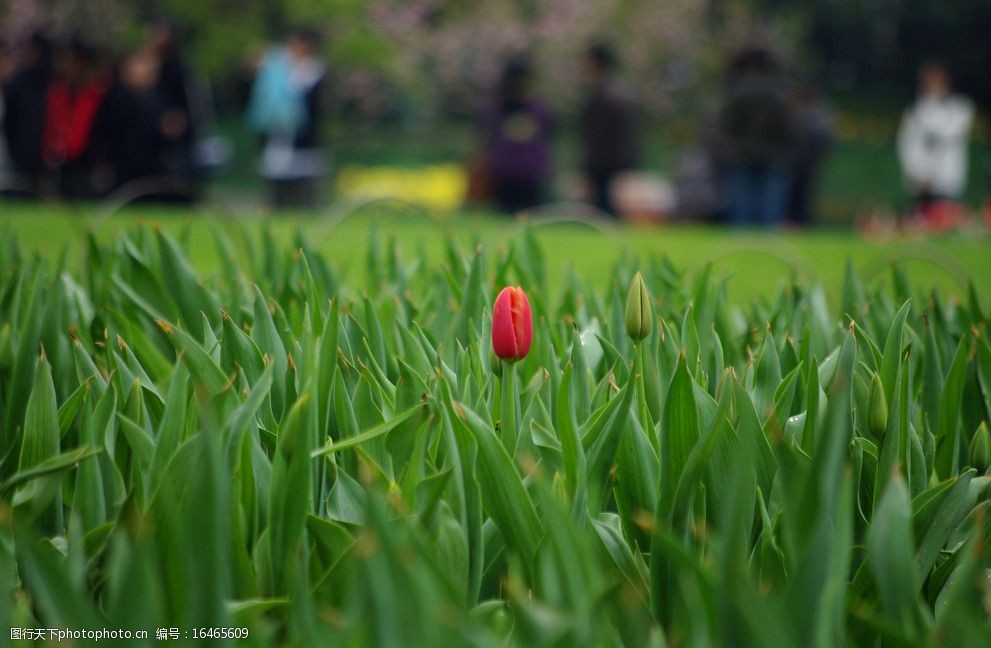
x,y
512,324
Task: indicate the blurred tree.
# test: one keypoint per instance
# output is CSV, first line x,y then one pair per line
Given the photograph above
x,y
895,36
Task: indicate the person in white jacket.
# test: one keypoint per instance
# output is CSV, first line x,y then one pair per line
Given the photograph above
x,y
932,139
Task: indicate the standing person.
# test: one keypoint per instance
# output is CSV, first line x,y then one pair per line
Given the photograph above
x,y
24,117
608,126
757,136
518,131
72,103
813,139
286,108
130,123
179,120
932,142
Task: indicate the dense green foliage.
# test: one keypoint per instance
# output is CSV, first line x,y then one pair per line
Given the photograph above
x,y
328,463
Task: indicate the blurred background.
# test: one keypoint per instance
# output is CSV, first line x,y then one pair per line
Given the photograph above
x,y
752,112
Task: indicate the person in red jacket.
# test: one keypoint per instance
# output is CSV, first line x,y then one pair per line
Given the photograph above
x,y
72,103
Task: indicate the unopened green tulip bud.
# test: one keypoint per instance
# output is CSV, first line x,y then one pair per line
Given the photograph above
x,y
877,407
639,316
980,449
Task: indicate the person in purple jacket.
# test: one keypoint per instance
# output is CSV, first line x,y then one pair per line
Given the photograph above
x,y
518,131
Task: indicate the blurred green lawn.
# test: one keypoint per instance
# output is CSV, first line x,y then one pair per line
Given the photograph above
x,y
756,263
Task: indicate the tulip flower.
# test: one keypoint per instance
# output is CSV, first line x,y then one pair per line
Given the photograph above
x,y
512,324
639,317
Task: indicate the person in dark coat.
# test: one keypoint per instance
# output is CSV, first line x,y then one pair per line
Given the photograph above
x,y
813,124
757,135
608,126
518,130
24,117
174,89
129,124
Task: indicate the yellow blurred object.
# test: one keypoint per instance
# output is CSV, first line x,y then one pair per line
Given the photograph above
x,y
440,187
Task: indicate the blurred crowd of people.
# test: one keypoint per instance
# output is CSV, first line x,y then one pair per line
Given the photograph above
x,y
756,165
79,124
758,160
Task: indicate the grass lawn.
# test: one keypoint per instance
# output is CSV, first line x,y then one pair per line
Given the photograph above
x,y
757,263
